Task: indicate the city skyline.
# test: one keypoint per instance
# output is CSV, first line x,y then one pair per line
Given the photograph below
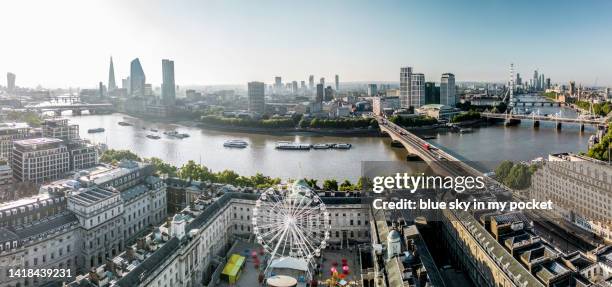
x,y
235,42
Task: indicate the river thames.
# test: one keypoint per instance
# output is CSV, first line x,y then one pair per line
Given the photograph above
x,y
486,145
489,145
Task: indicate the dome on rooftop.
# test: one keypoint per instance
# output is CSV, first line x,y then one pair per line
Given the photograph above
x,y
393,236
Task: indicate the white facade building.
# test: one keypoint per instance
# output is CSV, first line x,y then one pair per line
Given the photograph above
x,y
256,94
405,76
380,104
580,189
60,129
37,232
207,227
39,160
10,132
448,93
417,90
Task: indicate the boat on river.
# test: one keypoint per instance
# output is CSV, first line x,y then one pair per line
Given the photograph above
x,y
176,134
235,144
292,146
321,146
96,130
342,146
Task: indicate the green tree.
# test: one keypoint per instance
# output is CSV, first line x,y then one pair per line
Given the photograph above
x,y
315,123
601,150
162,167
296,118
417,121
31,118
465,116
502,171
191,171
330,184
304,123
519,177
346,185
363,183
228,176
312,183
112,155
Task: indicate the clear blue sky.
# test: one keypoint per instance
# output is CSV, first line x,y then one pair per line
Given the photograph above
x,y
67,43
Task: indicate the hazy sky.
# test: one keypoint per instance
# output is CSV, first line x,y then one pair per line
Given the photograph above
x,y
68,43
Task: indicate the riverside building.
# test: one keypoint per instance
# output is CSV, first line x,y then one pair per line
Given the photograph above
x,y
581,189
39,160
60,129
10,132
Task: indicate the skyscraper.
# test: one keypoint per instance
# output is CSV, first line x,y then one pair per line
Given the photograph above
x,y
417,90
257,101
125,84
337,83
320,93
536,80
111,76
329,94
405,73
137,79
294,87
278,84
311,82
432,93
101,90
10,81
372,90
448,94
168,86
322,81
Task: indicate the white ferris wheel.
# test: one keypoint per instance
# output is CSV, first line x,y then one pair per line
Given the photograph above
x,y
291,222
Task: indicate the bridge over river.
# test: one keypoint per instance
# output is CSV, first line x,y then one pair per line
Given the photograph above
x,y
511,119
75,107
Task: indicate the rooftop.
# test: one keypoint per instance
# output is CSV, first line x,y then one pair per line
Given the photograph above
x,y
91,196
435,107
510,218
38,141
46,224
12,126
25,201
134,192
103,173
